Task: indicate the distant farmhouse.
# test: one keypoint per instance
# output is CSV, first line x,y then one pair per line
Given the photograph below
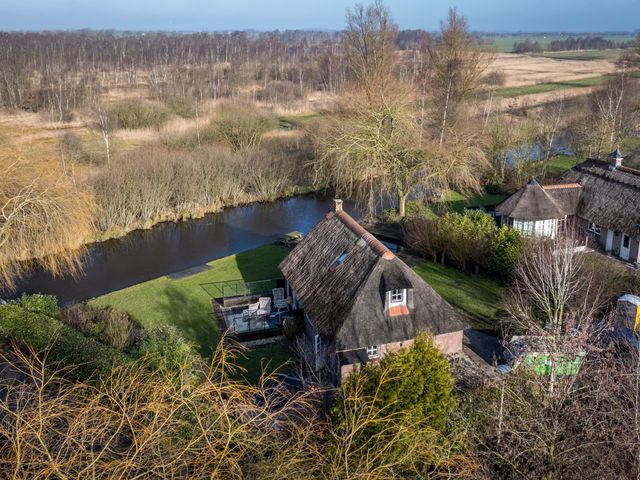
x,y
601,198
360,301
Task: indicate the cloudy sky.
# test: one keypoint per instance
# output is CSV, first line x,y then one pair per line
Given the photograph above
x,y
199,15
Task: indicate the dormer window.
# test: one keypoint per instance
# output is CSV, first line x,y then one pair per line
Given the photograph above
x,y
340,259
398,298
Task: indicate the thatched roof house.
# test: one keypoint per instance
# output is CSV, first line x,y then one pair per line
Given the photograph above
x,y
359,299
603,196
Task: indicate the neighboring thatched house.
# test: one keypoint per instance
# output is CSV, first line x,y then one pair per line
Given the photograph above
x,y
360,301
600,197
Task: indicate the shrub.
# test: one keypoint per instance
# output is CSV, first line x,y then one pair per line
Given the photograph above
x,y
413,209
166,350
42,304
241,126
415,381
505,251
104,324
421,234
137,114
481,235
28,323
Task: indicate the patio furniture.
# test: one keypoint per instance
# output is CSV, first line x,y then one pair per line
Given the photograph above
x,y
264,306
279,302
290,239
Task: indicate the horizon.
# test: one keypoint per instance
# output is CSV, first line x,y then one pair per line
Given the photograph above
x,y
497,16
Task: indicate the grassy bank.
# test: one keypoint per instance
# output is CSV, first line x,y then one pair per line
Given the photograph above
x,y
584,55
181,301
458,202
510,92
560,164
476,295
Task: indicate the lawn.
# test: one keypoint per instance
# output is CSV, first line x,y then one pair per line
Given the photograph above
x,y
259,359
181,301
458,202
560,164
477,295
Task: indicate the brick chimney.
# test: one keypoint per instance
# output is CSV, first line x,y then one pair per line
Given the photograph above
x,y
338,204
615,158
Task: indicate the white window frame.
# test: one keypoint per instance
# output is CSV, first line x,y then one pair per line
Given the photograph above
x,y
593,228
397,297
373,351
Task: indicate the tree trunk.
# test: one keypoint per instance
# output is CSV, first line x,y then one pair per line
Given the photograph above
x,y
444,113
402,203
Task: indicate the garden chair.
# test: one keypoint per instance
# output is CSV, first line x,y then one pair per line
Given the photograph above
x,y
279,302
264,306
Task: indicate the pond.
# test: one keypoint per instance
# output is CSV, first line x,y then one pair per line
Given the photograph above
x,y
172,247
535,151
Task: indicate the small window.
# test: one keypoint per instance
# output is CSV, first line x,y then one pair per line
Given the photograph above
x,y
341,258
397,297
593,228
625,240
372,351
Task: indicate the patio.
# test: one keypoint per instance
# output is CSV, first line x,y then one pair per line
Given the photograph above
x,y
252,309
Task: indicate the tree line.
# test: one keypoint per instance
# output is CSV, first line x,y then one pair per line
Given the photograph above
x,y
570,43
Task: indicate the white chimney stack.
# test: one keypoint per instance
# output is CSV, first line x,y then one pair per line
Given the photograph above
x,y
338,204
616,158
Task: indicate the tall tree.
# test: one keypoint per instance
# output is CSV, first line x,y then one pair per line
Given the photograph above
x,y
375,145
456,68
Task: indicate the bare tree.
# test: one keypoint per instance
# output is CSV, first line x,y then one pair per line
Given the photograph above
x,y
370,50
101,125
553,294
456,68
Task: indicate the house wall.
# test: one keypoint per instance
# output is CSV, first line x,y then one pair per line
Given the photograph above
x,y
635,247
448,343
601,240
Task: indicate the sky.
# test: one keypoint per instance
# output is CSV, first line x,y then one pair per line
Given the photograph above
x,y
222,15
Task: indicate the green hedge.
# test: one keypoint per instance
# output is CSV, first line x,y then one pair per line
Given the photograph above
x,y
31,321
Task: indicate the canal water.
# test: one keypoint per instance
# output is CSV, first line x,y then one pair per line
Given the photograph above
x,y
172,247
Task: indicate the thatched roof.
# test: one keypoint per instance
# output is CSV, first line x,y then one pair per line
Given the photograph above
x,y
566,196
346,302
531,202
610,195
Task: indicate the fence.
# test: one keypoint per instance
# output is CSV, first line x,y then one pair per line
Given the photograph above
x,y
236,288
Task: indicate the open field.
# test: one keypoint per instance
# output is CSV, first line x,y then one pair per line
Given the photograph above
x,y
529,70
584,55
510,92
182,302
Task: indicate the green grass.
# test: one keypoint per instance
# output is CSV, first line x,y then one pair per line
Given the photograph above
x,y
183,303
458,202
560,164
259,359
583,55
476,295
289,122
510,92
